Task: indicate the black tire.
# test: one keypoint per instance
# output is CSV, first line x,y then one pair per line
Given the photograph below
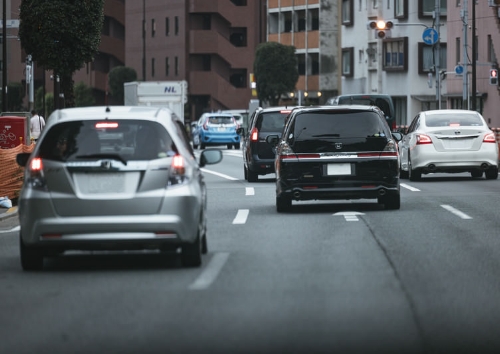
x,y
245,173
403,174
252,176
237,146
204,244
202,146
191,253
30,259
391,201
491,173
283,204
476,174
229,146
413,175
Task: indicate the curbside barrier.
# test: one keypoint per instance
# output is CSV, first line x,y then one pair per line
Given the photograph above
x,y
11,174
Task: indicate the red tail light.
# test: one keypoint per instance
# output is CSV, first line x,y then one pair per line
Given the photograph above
x,y
36,165
205,127
36,176
489,138
177,173
254,135
423,139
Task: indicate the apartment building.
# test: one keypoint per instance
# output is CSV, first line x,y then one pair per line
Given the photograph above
x,y
313,28
461,17
210,44
403,64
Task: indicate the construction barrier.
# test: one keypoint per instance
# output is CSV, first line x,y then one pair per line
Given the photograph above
x,y
11,174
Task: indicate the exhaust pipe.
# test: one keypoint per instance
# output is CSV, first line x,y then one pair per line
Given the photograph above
x,y
381,192
484,166
431,167
296,195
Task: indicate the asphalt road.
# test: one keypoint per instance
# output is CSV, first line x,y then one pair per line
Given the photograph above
x,y
329,277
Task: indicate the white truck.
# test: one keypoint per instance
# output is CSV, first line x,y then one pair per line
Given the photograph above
x,y
170,94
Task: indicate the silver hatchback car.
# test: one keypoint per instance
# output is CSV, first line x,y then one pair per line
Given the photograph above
x,y
113,178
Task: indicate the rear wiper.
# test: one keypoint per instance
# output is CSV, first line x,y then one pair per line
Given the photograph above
x,y
326,135
104,156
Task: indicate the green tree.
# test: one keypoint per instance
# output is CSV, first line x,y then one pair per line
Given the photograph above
x,y
15,96
49,103
276,71
83,95
61,35
117,77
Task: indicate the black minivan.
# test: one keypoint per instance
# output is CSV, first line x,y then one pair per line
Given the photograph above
x,y
384,102
336,152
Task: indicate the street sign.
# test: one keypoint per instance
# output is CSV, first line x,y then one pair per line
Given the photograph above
x,y
10,24
459,70
430,36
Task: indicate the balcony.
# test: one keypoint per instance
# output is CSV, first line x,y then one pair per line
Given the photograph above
x,y
211,84
209,42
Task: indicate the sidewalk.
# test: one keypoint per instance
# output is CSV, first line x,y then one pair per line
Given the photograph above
x,y
7,213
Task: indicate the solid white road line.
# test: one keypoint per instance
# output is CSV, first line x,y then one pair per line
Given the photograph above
x,y
219,174
413,189
456,211
249,191
210,273
241,216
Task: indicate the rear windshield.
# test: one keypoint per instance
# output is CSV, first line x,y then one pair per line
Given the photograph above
x,y
221,120
123,139
272,121
345,124
453,120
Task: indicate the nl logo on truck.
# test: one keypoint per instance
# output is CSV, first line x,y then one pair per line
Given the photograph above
x,y
170,89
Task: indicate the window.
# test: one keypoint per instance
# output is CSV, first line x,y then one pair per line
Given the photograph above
x,y
167,26
287,20
301,21
492,58
314,18
167,66
348,62
347,12
152,67
395,54
153,27
176,66
176,25
372,55
426,62
458,58
400,9
426,8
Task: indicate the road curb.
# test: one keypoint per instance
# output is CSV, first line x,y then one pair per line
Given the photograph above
x,y
10,213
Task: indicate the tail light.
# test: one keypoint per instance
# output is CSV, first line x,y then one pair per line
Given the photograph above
x,y
205,126
254,135
287,153
177,173
35,173
423,139
489,138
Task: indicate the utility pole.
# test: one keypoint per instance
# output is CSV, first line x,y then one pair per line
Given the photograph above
x,y
437,51
465,60
474,55
4,57
143,40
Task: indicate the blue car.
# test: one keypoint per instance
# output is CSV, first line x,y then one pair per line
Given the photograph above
x,y
218,129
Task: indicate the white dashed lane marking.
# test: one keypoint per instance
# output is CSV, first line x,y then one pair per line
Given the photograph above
x,y
457,212
241,216
413,189
249,191
210,273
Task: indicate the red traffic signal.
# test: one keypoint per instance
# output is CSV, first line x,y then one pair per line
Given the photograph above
x,y
493,76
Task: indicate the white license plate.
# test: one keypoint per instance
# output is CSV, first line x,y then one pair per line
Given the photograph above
x,y
336,169
222,129
95,183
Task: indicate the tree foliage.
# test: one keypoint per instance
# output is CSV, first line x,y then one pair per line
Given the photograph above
x,y
276,72
61,35
15,97
83,95
117,77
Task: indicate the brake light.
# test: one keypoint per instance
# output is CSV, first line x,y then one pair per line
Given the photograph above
x,y
106,125
489,138
423,139
394,126
35,173
177,172
254,135
205,126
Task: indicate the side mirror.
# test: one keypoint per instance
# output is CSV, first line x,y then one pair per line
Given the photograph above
x,y
210,157
272,139
397,136
22,159
240,131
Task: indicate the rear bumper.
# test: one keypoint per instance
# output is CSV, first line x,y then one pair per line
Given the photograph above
x,y
261,166
219,139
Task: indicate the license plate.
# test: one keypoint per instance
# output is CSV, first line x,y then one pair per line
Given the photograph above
x,y
97,183
337,169
222,129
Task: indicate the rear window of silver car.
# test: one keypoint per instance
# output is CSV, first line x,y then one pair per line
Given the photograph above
x,y
89,139
453,120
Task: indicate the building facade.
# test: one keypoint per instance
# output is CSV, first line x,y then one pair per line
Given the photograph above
x,y
210,44
312,27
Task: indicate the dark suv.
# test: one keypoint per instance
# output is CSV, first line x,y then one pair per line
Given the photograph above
x,y
258,155
336,152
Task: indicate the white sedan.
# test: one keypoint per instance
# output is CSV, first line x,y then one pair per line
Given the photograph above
x,y
449,141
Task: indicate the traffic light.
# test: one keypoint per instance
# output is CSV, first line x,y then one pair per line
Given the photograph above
x,y
382,28
493,76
